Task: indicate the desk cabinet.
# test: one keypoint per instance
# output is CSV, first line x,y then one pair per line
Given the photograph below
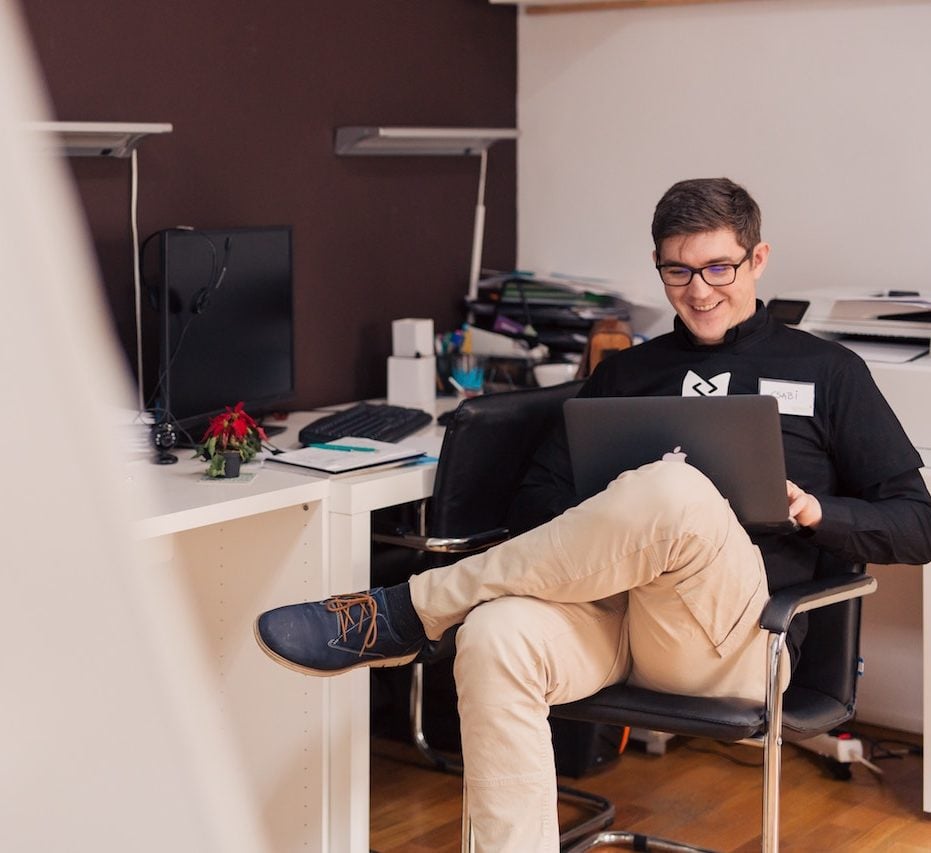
x,y
275,721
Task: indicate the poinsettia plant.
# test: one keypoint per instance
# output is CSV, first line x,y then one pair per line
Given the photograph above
x,y
232,430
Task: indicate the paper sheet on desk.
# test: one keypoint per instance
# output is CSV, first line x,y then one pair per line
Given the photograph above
x,y
364,453
886,353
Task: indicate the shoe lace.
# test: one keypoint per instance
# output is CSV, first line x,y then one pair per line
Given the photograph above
x,y
342,606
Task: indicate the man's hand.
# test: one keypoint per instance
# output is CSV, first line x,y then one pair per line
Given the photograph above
x,y
804,508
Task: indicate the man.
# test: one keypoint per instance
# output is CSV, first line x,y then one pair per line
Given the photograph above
x,y
653,580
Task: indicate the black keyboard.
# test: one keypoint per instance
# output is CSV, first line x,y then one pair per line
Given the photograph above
x,y
366,420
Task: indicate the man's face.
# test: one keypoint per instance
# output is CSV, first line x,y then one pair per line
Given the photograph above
x,y
708,312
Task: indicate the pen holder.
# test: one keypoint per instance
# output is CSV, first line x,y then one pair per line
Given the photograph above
x,y
467,374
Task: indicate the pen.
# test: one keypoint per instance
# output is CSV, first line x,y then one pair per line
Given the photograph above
x,y
346,448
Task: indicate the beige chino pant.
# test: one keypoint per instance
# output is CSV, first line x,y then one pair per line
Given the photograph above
x,y
652,580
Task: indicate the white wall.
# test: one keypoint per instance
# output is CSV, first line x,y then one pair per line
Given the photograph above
x,y
822,108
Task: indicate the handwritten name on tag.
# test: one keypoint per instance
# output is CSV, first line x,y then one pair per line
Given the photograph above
x,y
794,398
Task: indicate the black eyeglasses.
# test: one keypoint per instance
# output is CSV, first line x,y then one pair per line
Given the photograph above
x,y
717,275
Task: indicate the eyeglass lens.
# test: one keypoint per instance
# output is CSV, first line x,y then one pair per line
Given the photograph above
x,y
716,275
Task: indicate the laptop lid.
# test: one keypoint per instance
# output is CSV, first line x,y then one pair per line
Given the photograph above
x,y
736,441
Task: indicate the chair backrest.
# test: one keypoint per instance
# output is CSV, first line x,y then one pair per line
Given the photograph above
x,y
486,451
829,662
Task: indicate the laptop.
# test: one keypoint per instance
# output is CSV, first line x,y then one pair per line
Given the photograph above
x,y
736,441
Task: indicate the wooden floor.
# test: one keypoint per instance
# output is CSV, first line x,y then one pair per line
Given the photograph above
x,y
700,792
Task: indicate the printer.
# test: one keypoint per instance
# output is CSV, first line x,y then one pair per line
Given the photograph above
x,y
895,316
890,330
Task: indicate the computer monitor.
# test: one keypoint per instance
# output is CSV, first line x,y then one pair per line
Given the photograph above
x,y
225,324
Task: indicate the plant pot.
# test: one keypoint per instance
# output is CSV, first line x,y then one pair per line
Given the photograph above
x,y
231,463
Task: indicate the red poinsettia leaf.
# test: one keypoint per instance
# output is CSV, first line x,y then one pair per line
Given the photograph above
x,y
234,428
250,421
215,427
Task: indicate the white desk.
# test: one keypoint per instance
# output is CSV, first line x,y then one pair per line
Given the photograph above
x,y
236,549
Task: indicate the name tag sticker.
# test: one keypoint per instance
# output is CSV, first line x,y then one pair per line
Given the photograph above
x,y
794,398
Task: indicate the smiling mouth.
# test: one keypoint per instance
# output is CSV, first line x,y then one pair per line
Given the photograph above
x,y
703,309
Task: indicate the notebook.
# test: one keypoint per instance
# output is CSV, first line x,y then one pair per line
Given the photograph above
x,y
736,441
347,454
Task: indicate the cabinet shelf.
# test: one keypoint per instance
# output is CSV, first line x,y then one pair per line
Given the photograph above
x,y
95,138
428,141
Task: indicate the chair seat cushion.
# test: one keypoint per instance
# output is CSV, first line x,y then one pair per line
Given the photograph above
x,y
806,713
695,716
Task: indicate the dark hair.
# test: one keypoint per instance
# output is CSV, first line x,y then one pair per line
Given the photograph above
x,y
707,204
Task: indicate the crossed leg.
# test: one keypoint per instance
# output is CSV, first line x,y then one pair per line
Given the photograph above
x,y
653,581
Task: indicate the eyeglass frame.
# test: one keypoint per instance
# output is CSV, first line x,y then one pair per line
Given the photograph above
x,y
701,271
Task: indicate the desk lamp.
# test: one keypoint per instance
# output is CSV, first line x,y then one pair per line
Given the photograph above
x,y
120,140
107,139
431,142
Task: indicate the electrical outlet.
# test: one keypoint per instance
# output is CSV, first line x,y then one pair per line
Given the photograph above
x,y
842,747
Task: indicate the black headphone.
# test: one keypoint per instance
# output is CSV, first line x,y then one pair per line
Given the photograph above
x,y
201,299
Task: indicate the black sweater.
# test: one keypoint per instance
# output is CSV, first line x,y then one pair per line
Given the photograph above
x,y
849,451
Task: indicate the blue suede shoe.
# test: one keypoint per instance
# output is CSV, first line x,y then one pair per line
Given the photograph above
x,y
333,636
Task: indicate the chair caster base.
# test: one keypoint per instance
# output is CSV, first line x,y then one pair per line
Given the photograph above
x,y
633,841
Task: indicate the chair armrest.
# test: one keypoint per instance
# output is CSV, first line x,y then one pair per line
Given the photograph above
x,y
786,603
445,545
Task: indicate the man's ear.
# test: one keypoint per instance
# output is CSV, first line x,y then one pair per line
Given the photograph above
x,y
759,259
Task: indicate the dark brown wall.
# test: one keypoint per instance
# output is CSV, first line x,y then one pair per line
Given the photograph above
x,y
254,91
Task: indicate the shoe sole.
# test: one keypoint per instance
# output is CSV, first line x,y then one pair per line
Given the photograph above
x,y
328,673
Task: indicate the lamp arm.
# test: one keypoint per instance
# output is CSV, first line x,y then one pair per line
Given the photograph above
x,y
478,231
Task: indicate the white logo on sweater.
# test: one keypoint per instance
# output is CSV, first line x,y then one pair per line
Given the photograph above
x,y
694,386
